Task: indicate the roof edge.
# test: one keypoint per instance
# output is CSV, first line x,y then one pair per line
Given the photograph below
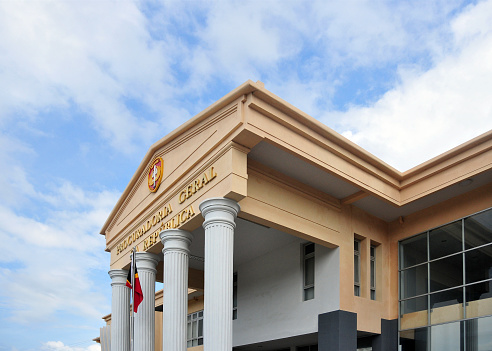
x,y
330,134
246,88
439,159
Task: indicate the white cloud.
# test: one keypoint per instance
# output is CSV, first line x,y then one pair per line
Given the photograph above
x,y
55,255
60,346
91,56
431,111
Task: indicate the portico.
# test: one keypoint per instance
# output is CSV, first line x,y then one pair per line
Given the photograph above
x,y
270,231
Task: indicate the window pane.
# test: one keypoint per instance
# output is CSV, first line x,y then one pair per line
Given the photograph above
x,y
356,290
309,271
482,333
445,240
479,299
413,312
446,306
188,333
200,341
200,327
478,264
446,337
195,329
308,294
373,294
356,269
234,296
446,273
308,249
234,314
413,251
373,274
414,340
478,229
413,281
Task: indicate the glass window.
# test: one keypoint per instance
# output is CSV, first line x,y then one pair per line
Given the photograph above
x,y
446,337
454,284
356,267
414,312
482,335
446,273
478,263
478,229
195,329
413,281
445,240
415,339
479,299
308,267
413,251
446,306
373,272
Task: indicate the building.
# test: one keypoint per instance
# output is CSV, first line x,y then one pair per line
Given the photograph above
x,y
280,234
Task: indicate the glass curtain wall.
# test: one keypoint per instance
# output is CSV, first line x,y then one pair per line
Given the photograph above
x,y
445,277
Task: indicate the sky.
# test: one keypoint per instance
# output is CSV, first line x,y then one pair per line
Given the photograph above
x,y
87,86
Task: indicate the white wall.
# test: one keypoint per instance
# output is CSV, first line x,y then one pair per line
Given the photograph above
x,y
270,296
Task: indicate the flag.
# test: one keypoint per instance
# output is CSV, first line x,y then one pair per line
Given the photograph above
x,y
137,294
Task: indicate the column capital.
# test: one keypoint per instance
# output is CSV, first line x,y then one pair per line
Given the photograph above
x,y
219,209
176,239
118,276
147,261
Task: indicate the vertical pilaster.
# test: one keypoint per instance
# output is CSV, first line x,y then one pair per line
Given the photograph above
x,y
120,311
145,317
220,215
388,339
175,299
337,331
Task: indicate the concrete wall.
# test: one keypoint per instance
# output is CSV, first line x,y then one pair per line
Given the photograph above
x,y
270,294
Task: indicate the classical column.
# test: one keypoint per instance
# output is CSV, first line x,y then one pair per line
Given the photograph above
x,y
145,317
175,300
220,215
120,311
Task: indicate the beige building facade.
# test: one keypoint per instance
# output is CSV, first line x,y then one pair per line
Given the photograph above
x,y
271,231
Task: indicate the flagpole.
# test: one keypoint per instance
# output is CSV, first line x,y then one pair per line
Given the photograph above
x,y
133,301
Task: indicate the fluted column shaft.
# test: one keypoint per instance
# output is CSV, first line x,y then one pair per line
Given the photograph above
x,y
144,338
220,215
120,311
175,299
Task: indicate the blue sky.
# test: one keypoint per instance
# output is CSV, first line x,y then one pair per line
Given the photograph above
x,y
88,86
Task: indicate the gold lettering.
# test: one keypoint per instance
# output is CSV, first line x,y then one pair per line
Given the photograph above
x,y
212,173
204,179
198,184
182,196
191,212
152,221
